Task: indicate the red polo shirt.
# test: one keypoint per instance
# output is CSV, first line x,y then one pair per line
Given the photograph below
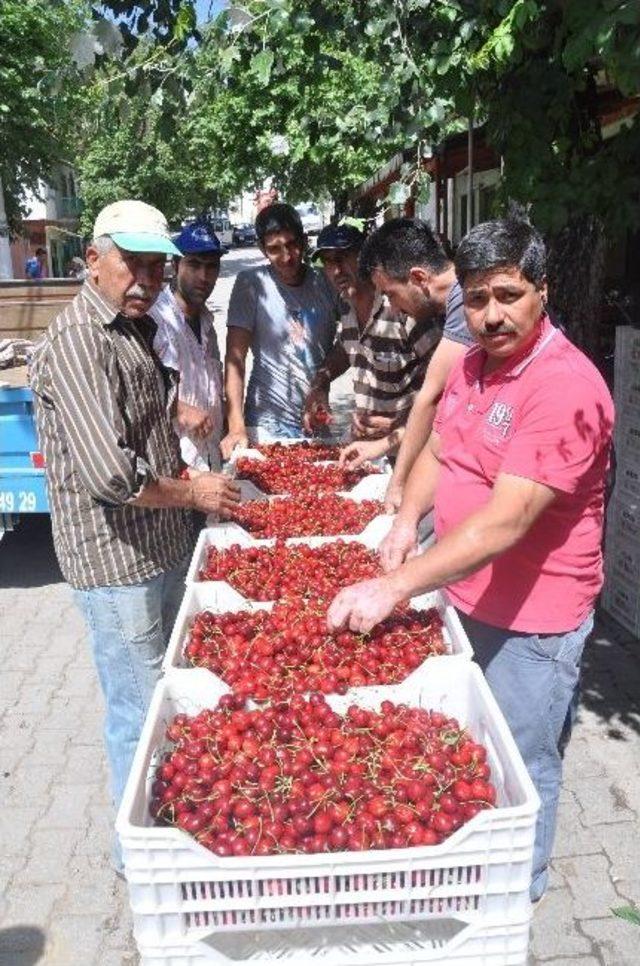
x,y
547,416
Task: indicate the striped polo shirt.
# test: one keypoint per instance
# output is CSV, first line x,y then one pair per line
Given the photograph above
x,y
103,404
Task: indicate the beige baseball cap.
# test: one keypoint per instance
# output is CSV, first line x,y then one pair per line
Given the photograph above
x,y
136,227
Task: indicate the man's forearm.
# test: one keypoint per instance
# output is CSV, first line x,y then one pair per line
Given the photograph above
x,y
414,439
165,492
234,393
334,365
469,547
420,488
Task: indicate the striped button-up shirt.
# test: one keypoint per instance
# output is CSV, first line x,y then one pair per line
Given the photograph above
x,y
198,362
389,357
103,405
391,353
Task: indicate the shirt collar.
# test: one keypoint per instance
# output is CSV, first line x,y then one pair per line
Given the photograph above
x,y
168,293
108,314
380,304
515,365
101,306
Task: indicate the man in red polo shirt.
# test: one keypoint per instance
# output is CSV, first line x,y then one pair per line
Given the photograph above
x,y
515,471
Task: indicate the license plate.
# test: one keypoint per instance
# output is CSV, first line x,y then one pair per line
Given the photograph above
x,y
21,501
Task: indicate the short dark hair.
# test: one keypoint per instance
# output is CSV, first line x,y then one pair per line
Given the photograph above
x,y
400,245
278,217
504,242
41,251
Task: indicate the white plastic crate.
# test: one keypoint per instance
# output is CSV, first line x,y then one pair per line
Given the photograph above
x,y
627,398
628,440
223,535
370,487
623,519
628,479
435,941
622,561
259,436
627,357
622,601
181,893
219,597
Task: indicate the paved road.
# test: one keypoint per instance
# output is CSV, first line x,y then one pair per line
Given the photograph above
x,y
62,906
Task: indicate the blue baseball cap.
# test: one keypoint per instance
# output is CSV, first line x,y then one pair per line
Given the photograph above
x,y
340,237
199,238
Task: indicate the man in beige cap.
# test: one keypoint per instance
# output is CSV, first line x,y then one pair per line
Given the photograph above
x,y
120,509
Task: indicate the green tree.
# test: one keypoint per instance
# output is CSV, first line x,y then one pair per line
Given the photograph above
x,y
527,69
300,114
209,107
39,92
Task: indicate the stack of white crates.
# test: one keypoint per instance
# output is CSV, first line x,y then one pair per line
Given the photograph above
x,y
621,596
464,902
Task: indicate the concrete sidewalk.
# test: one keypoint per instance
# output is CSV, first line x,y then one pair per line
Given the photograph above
x,y
61,903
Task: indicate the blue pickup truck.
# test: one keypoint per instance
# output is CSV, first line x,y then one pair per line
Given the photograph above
x,y
22,484
26,308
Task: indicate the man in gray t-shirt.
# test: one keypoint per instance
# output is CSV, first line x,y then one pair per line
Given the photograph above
x,y
286,313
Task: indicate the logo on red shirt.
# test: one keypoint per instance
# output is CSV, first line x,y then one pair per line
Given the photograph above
x,y
500,418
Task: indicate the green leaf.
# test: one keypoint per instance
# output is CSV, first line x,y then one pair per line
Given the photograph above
x,y
630,913
228,55
83,49
358,223
261,66
399,192
185,22
424,190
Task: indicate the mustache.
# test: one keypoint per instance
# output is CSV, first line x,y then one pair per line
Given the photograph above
x,y
138,291
502,329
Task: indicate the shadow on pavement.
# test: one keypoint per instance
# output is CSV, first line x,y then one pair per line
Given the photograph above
x,y
21,945
27,558
611,676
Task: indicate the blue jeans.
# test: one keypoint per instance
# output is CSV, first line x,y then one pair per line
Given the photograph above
x,y
535,679
129,628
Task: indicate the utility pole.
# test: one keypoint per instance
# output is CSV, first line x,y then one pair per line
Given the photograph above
x,y
6,268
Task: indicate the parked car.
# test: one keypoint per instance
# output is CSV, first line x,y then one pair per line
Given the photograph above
x,y
244,235
311,218
222,228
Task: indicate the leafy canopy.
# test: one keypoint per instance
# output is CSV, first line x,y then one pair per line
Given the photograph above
x,y
37,98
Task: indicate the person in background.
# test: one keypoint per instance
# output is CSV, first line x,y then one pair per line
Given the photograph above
x,y
36,265
387,351
515,468
285,313
406,263
122,526
76,268
186,341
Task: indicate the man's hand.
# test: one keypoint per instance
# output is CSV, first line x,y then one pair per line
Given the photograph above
x,y
362,606
369,426
355,454
399,545
317,401
393,496
231,440
214,493
194,421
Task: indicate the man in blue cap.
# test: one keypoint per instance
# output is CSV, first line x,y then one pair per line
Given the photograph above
x,y
186,341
